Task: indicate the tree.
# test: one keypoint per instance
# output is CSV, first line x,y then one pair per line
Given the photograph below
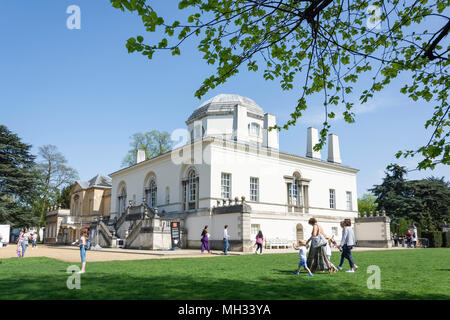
x,y
367,203
63,196
434,195
395,196
425,202
18,181
154,143
55,174
402,226
326,45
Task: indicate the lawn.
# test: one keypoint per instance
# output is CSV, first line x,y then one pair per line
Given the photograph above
x,y
405,274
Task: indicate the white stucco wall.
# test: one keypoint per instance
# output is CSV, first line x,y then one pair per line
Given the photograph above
x,y
195,224
272,186
286,227
271,210
168,174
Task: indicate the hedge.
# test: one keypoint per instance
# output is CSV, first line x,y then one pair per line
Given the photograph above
x,y
434,237
446,239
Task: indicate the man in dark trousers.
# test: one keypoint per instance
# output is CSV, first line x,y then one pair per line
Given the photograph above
x,y
408,239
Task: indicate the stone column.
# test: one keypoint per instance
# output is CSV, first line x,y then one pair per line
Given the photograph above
x,y
247,243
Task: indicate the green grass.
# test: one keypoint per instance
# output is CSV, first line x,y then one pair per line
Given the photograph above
x,y
405,274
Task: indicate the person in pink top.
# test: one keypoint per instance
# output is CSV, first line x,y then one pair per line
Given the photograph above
x,y
259,242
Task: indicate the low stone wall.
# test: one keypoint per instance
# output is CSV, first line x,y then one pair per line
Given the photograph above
x,y
373,232
375,243
152,235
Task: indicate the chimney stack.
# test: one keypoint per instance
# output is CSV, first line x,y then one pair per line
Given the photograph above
x,y
140,156
270,138
312,140
334,155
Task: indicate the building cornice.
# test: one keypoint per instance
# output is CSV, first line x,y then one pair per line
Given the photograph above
x,y
243,147
236,145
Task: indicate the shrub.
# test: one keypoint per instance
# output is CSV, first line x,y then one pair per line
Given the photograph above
x,y
446,239
434,237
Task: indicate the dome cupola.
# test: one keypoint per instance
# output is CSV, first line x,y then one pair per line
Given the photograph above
x,y
233,117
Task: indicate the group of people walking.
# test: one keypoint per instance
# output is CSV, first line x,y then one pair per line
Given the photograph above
x,y
410,239
205,240
319,255
318,258
24,240
25,237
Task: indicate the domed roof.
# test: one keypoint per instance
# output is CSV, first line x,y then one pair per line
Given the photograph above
x,y
225,103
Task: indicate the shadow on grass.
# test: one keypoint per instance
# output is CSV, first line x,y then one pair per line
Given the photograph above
x,y
241,277
97,285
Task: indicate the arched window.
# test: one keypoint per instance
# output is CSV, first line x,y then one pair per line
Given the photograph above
x,y
192,186
122,200
190,190
150,194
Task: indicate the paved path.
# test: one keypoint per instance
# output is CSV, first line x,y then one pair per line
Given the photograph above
x,y
72,254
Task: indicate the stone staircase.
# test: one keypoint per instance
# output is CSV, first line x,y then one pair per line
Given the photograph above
x,y
133,234
105,233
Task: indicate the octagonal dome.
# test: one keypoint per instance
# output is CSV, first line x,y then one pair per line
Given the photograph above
x,y
225,103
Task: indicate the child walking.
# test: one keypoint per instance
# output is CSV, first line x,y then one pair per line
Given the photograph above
x,y
302,256
33,240
330,242
19,244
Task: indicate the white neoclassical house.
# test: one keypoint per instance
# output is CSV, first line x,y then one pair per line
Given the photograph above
x,y
228,170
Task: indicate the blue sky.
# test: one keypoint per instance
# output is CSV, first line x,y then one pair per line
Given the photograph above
x,y
81,91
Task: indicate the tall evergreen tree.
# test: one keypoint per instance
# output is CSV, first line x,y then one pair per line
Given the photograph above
x,y
392,193
18,181
434,195
425,202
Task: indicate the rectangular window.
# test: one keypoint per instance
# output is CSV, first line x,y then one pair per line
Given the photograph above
x,y
289,186
184,194
192,187
349,201
254,189
295,194
255,229
226,185
332,199
334,231
254,129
